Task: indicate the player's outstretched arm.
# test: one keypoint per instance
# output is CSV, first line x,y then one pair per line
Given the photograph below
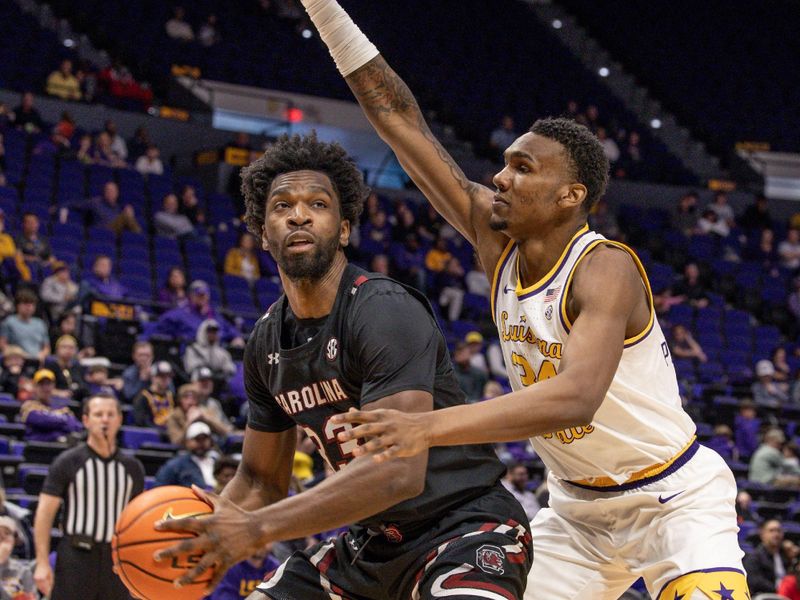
x,y
393,111
607,295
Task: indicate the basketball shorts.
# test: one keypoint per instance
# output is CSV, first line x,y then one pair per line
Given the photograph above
x,y
679,533
481,549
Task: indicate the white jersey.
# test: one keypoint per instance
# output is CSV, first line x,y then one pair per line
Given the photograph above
x,y
640,427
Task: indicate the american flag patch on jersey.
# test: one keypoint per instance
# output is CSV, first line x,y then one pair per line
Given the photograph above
x,y
551,294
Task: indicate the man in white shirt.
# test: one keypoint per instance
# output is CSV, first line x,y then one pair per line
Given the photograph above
x,y
516,482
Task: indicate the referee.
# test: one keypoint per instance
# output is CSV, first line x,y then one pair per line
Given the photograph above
x,y
95,481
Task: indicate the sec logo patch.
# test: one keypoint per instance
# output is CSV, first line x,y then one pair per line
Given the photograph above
x,y
332,349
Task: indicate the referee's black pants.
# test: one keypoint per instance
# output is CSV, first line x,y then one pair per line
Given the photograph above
x,y
86,574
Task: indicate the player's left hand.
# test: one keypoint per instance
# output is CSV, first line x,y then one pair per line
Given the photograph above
x,y
226,537
389,433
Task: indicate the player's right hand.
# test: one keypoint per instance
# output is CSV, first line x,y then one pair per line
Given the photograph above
x,y
43,578
385,433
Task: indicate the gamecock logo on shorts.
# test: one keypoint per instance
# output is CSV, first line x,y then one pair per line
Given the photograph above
x,y
332,349
490,559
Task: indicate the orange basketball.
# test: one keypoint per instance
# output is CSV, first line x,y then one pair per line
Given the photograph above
x,y
136,540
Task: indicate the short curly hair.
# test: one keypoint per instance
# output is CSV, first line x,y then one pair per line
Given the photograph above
x,y
587,160
300,153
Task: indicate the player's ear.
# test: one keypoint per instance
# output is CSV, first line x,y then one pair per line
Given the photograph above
x,y
344,233
264,239
572,195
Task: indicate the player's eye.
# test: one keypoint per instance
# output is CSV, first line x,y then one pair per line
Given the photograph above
x,y
279,205
319,204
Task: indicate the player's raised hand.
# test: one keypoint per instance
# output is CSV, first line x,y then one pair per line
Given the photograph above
x,y
388,433
226,537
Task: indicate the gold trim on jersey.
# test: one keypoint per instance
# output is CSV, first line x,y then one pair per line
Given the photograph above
x,y
565,321
531,288
498,269
645,473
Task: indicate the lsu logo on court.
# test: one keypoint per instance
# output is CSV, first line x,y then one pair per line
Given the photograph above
x,y
490,559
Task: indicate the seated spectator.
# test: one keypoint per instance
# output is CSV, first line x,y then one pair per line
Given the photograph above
x,y
194,467
203,378
224,470
710,223
756,216
766,390
106,211
183,322
14,370
378,229
16,576
103,152
765,565
790,585
503,135
85,153
190,206
63,84
208,35
152,407
136,377
474,341
470,379
691,288
169,222
68,371
437,257
116,141
26,116
43,423
242,261
100,283
242,578
768,464
119,82
450,288
684,218
60,141
722,443
723,209
34,247
177,28
410,262
783,371
516,481
69,323
429,223
24,330
207,352
492,389
744,508
476,280
497,364
380,264
610,148
764,252
11,259
96,377
59,292
406,222
746,427
684,345
187,411
150,162
174,291
789,250
139,143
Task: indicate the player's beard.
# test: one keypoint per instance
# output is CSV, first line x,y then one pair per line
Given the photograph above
x,y
311,266
497,223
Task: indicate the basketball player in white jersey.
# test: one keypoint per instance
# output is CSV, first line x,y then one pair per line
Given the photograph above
x,y
632,494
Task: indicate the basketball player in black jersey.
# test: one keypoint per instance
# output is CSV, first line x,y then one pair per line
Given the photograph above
x,y
435,525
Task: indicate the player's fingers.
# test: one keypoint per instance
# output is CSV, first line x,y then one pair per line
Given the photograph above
x,y
387,454
203,565
356,416
190,524
366,431
187,546
207,497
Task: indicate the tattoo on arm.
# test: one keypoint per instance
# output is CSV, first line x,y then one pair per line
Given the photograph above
x,y
383,94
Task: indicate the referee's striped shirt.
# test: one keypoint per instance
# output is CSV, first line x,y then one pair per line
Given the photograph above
x,y
94,489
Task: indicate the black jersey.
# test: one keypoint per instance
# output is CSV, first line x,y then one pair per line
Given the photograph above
x,y
379,339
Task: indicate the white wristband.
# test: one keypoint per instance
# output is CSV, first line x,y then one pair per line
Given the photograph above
x,y
348,46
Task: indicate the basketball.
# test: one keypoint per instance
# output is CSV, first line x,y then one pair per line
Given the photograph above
x,y
136,540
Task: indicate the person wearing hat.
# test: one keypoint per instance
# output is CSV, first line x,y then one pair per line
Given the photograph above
x,y
187,411
16,576
68,371
43,423
96,377
183,322
207,352
766,391
59,291
203,380
152,406
194,467
474,341
14,370
24,329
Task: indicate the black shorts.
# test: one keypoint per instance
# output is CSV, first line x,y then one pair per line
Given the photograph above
x,y
86,574
482,547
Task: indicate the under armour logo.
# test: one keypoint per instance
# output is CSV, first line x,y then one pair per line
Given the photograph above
x,y
272,359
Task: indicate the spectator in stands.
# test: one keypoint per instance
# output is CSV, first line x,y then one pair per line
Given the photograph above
x,y
437,257
470,379
790,585
106,211
242,261
224,470
429,223
516,481
768,464
136,377
43,423
61,136
16,576
13,370
766,390
632,157
26,116
744,508
492,389
190,206
783,371
85,154
476,280
183,322
150,162
450,288
58,291
723,209
243,577
603,221
378,229
139,143
174,291
203,378
11,259
765,565
208,35
69,324
690,288
194,467
65,366
610,148
34,247
177,28
187,411
793,302
474,341
406,222
207,352
710,223
103,153
722,443
764,252
684,218
746,428
789,250
503,136
152,407
756,216
685,346
25,330
410,262
97,380
170,223
100,283
63,84
116,141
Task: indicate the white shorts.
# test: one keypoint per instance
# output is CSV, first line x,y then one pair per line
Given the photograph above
x,y
679,533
